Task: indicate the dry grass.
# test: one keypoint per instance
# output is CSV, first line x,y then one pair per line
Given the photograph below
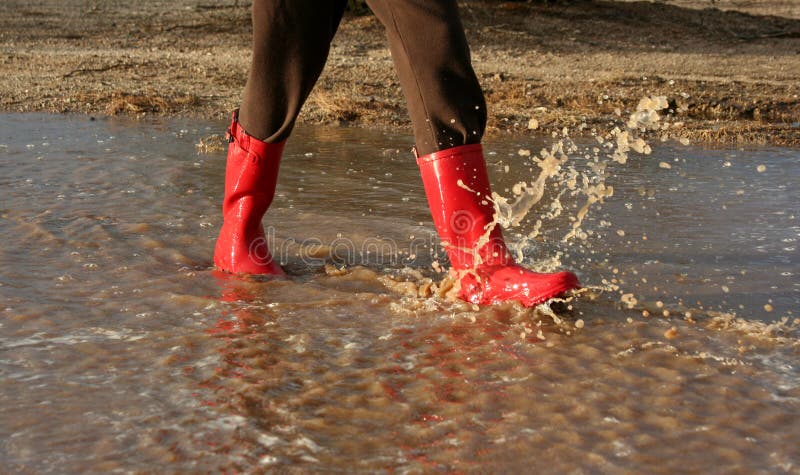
x,y
120,102
123,102
334,106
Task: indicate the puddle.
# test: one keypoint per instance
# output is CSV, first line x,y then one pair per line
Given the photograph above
x,y
121,350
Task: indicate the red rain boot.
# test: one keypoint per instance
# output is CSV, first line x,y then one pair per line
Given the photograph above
x,y
458,192
251,173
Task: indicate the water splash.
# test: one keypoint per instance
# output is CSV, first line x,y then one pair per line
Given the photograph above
x,y
558,174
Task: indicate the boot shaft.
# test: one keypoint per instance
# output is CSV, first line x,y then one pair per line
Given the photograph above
x,y
460,198
251,169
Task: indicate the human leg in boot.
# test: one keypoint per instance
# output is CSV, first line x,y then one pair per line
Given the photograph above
x,y
291,41
448,112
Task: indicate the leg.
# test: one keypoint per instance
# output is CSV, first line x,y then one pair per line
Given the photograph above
x,y
291,40
432,59
448,112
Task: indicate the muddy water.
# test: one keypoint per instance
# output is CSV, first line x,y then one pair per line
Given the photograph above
x,y
121,350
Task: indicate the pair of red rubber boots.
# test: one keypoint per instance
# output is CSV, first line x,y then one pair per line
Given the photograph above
x,y
459,196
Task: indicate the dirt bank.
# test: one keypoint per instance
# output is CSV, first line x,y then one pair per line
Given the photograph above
x,y
730,73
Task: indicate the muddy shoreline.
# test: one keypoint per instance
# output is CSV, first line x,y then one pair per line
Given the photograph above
x,y
730,75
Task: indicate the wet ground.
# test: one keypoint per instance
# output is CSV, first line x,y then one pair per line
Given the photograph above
x,y
728,67
122,350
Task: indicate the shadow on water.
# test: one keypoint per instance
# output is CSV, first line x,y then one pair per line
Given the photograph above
x,y
121,349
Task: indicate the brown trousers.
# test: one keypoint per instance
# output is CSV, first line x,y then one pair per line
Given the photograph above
x,y
291,40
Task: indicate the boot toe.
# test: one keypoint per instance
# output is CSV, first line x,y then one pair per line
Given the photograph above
x,y
506,283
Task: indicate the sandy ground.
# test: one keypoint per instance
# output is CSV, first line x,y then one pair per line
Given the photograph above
x,y
730,72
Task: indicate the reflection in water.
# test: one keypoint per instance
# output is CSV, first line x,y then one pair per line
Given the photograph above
x,y
504,387
120,349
